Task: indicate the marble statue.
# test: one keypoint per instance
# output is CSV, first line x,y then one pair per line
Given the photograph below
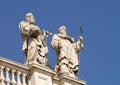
x,y
34,43
67,52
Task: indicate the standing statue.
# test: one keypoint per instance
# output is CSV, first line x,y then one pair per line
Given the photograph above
x,y
67,52
34,43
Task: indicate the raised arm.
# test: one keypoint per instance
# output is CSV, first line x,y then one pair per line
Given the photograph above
x,y
79,45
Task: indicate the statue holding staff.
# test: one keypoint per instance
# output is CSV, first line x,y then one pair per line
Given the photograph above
x,y
67,52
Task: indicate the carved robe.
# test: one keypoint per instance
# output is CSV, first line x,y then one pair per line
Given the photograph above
x,y
66,52
34,46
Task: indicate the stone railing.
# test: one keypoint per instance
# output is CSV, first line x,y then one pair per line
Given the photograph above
x,y
12,73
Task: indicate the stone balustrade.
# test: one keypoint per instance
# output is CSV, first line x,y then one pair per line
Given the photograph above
x,y
12,73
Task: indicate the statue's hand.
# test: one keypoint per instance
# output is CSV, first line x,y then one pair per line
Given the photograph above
x,y
80,38
46,33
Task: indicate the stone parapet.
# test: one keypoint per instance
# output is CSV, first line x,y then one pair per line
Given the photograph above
x,y
14,73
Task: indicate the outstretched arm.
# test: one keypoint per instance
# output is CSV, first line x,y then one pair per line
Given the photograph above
x,y
46,34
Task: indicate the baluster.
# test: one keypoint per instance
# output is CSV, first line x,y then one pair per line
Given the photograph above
x,y
2,76
18,78
24,78
13,77
7,76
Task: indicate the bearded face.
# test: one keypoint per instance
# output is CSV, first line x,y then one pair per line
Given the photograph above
x,y
62,30
30,18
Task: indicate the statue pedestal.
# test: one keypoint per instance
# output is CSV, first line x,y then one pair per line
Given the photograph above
x,y
40,75
66,80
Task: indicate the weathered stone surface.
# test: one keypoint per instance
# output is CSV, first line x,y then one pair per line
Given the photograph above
x,y
34,43
67,52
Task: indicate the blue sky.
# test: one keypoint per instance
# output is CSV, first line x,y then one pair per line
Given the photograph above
x,y
100,19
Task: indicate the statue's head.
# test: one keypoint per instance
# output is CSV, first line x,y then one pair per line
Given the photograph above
x,y
62,30
30,18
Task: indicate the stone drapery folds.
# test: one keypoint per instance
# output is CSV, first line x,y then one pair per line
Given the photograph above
x,y
35,47
34,43
67,52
